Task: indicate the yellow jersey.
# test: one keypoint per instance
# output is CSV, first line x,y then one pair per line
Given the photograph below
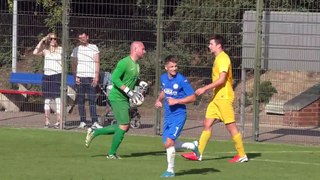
x,y
222,63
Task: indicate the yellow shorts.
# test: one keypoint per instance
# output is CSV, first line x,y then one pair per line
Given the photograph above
x,y
221,109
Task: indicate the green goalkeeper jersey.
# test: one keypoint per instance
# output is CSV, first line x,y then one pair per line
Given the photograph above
x,y
126,73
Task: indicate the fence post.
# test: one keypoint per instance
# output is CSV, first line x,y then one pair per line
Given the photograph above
x,y
257,70
160,3
14,35
65,38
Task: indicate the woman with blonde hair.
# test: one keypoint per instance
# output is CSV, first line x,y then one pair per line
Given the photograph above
x,y
51,82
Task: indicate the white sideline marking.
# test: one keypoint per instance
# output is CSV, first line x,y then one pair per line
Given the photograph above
x,y
285,162
270,152
271,160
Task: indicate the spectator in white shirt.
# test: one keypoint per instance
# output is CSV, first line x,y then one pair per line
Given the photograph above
x,y
51,82
85,67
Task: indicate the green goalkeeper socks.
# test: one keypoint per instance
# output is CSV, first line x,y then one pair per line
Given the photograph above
x,y
116,140
105,131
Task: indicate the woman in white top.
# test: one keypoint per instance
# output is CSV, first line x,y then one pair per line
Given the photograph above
x,y
51,82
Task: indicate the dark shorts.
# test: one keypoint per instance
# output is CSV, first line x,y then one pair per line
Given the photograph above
x,y
121,112
51,86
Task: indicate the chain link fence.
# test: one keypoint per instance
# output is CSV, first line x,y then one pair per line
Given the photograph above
x,y
274,47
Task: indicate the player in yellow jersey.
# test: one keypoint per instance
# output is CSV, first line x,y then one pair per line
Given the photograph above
x,y
221,106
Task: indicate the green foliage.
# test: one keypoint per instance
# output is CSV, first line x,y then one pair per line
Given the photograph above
x,y
196,21
187,26
147,66
248,99
6,41
37,64
5,52
10,5
288,5
110,55
266,92
55,10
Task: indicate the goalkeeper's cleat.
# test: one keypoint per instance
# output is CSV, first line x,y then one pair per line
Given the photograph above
x,y
168,174
239,159
192,156
113,156
89,137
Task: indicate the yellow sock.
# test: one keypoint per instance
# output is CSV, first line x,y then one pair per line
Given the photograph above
x,y
237,139
204,138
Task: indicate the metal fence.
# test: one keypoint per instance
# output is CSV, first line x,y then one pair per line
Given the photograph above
x,y
180,28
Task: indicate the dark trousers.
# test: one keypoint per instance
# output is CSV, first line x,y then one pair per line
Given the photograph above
x,y
83,89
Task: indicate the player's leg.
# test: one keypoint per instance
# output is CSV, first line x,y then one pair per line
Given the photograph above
x,y
117,139
92,133
238,143
179,144
206,134
121,114
185,145
111,129
211,115
228,117
194,146
171,131
171,153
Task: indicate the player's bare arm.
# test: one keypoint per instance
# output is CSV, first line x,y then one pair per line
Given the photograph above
x,y
221,80
159,100
186,100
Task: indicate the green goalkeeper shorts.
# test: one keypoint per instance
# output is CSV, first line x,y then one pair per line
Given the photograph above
x,y
121,111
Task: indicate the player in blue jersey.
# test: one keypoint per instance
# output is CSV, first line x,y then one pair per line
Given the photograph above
x,y
176,91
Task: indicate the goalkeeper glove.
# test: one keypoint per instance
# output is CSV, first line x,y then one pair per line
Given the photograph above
x,y
143,85
134,96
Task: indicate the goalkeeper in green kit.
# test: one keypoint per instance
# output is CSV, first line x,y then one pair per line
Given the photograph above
x,y
124,78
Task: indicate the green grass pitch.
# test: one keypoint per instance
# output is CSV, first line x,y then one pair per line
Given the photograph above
x,y
50,154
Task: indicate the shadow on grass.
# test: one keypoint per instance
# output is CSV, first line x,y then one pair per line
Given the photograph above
x,y
250,156
154,153
282,132
202,171
253,155
73,124
139,154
